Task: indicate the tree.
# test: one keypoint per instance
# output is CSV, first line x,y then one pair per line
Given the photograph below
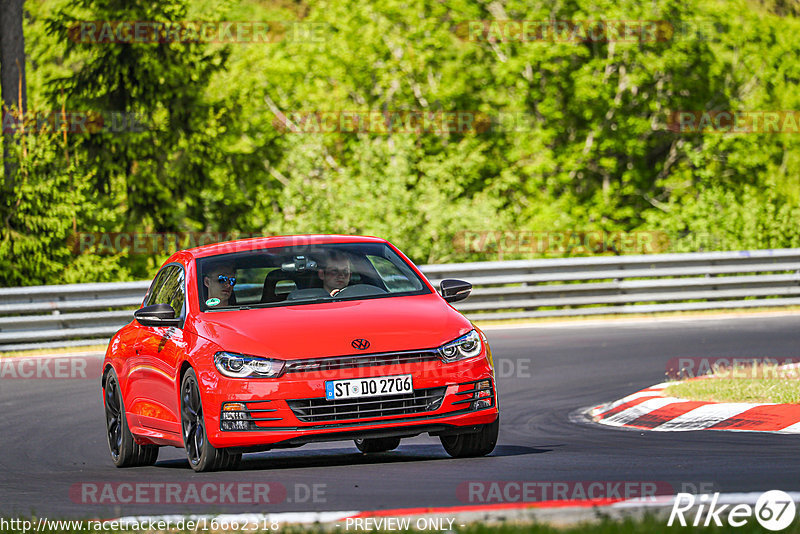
x,y
12,75
162,151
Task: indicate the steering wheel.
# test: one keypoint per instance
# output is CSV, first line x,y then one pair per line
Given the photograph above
x,y
360,290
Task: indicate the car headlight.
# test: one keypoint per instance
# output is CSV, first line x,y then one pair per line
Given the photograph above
x,y
467,346
243,366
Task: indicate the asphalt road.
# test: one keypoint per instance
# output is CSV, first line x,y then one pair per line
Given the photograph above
x,y
52,441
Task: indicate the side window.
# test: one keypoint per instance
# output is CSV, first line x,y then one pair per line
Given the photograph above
x,y
168,288
177,292
155,289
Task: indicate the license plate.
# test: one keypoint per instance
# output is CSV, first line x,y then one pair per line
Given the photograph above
x,y
368,387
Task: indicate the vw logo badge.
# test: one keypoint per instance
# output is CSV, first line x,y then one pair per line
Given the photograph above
x,y
360,344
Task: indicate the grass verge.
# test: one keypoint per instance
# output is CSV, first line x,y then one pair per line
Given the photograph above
x,y
742,383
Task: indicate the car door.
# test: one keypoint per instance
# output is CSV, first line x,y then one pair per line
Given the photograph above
x,y
159,351
138,381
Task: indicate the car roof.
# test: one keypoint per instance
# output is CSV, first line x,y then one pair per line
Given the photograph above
x,y
255,243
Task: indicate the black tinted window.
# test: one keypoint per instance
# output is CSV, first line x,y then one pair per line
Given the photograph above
x,y
168,288
305,274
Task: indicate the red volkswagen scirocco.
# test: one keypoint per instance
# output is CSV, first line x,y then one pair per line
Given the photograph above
x,y
276,342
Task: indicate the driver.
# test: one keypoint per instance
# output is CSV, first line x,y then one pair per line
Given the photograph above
x,y
335,272
220,280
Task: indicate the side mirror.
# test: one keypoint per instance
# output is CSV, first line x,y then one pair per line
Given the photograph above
x,y
454,290
156,315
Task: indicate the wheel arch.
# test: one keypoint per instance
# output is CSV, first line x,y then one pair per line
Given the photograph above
x,y
185,366
104,377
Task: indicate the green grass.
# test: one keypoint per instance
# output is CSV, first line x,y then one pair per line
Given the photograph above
x,y
743,383
737,390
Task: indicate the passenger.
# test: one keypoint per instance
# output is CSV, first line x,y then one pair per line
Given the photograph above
x,y
220,280
335,272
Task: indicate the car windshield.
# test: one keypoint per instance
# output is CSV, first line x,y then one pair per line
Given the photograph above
x,y
304,274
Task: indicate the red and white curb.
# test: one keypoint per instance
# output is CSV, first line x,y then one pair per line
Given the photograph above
x,y
649,409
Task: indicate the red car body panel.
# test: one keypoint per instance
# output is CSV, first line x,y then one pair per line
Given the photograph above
x,y
411,322
149,361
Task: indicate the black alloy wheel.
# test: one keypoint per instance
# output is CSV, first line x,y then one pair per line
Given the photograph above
x,y
201,454
479,443
125,452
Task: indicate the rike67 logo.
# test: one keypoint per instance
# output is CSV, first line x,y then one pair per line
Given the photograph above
x,y
774,510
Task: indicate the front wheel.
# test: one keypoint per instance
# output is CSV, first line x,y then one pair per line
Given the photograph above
x,y
201,454
377,444
479,443
125,452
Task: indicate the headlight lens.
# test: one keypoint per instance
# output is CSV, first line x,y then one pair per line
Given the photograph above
x,y
467,346
243,366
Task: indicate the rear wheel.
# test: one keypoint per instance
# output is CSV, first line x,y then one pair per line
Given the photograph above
x,y
377,444
125,452
479,443
201,454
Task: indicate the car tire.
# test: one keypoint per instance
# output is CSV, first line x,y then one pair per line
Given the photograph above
x,y
377,444
201,454
479,443
125,452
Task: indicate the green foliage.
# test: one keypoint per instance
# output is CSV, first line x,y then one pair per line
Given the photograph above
x,y
585,145
160,86
42,211
715,218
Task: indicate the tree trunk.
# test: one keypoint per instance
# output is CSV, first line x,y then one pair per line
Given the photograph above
x,y
12,75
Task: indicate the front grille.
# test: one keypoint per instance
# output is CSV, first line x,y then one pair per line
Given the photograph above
x,y
322,410
367,360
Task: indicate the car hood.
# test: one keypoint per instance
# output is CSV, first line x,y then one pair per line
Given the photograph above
x,y
328,329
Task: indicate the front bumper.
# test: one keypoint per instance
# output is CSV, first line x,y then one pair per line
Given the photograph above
x,y
291,410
